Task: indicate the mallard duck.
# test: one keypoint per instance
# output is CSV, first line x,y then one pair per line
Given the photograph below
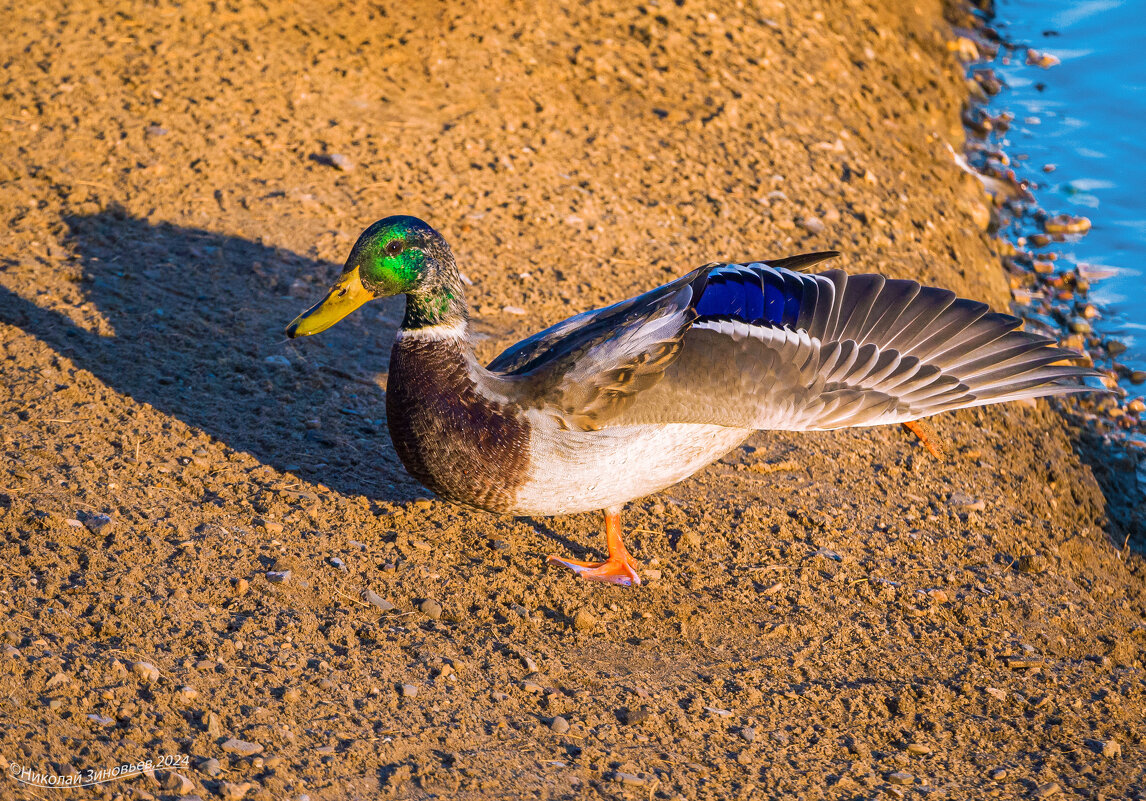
x,y
616,403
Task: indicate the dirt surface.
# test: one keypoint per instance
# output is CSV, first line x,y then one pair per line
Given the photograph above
x,y
830,615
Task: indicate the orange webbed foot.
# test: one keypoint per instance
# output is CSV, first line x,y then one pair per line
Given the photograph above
x,y
614,570
619,568
928,437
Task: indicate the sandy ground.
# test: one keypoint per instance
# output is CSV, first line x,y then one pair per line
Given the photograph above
x,y
830,615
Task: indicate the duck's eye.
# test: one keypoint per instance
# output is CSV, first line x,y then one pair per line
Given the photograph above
x,y
394,247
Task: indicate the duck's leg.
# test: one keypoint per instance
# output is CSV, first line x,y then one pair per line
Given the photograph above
x,y
619,568
928,437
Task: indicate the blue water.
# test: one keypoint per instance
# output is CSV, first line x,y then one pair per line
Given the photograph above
x,y
1086,116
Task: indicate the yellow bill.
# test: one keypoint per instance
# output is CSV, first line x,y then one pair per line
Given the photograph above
x,y
344,297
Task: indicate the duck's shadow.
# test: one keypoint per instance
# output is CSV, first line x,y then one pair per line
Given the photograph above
x,y
198,323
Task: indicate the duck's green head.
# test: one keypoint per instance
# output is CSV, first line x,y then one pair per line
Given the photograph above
x,y
395,256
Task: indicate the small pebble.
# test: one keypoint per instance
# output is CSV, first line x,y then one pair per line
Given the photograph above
x,y
277,360
211,767
241,586
748,733
1047,790
374,599
234,792
900,777
1032,563
964,501
278,576
188,693
214,727
175,782
584,620
532,687
146,671
291,695
918,749
813,225
559,725
242,747
95,523
998,774
408,690
341,162
57,680
1111,749
431,609
628,778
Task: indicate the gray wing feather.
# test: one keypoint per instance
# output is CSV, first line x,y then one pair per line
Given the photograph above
x,y
864,350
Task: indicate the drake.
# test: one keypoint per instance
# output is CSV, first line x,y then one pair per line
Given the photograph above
x,y
616,403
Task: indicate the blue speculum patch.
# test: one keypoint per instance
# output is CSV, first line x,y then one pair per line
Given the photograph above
x,y
760,297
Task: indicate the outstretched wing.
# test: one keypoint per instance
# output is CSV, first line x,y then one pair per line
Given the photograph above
x,y
776,349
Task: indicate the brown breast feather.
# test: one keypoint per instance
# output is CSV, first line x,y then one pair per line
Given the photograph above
x,y
461,444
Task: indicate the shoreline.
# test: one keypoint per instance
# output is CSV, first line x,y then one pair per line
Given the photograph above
x,y
213,552
1051,300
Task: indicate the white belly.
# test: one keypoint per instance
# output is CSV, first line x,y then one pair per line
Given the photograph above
x,y
582,471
